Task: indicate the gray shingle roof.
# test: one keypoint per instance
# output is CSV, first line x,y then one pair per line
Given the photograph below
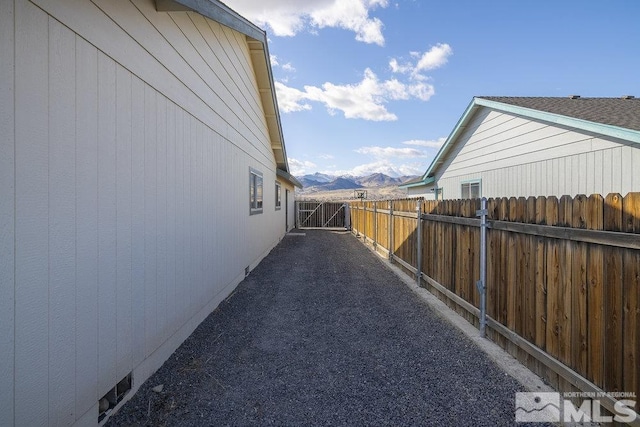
x,y
619,112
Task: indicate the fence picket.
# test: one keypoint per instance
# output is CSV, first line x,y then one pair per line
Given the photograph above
x,y
553,281
631,298
579,290
613,297
595,296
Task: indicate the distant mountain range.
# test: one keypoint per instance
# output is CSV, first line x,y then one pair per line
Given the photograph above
x,y
322,182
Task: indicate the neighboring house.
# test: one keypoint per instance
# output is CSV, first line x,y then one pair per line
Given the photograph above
x,y
143,174
512,146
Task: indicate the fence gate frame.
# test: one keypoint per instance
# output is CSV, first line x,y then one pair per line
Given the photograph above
x,y
321,214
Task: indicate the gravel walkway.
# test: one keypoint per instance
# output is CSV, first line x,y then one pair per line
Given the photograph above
x,y
322,333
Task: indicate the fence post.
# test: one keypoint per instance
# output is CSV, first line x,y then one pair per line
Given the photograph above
x,y
347,216
390,230
364,223
481,284
419,242
375,225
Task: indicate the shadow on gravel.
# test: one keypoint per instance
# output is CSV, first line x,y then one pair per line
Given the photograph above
x,y
322,333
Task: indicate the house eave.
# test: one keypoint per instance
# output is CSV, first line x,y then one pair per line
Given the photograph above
x,y
478,102
288,177
423,183
581,124
260,58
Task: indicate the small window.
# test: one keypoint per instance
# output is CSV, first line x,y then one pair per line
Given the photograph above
x,y
278,196
255,192
470,190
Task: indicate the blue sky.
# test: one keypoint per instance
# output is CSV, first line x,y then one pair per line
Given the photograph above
x,y
370,86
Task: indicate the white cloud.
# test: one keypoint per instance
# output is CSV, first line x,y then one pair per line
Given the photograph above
x,y
327,156
300,167
386,152
426,143
288,67
274,60
396,67
422,90
434,58
290,99
364,100
288,17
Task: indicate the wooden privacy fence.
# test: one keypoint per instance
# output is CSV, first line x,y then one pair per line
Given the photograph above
x,y
563,277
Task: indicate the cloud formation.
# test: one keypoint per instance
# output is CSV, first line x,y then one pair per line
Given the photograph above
x,y
426,143
364,100
386,152
435,57
289,17
290,99
300,167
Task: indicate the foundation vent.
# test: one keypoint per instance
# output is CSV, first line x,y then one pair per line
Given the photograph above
x,y
113,397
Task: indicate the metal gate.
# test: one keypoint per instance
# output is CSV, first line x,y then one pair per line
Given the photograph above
x,y
315,214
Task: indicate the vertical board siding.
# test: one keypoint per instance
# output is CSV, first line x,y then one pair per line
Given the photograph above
x,y
86,298
130,160
62,236
7,211
107,224
138,252
124,222
150,221
32,216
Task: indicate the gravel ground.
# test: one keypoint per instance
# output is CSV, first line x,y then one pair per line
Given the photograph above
x,y
322,333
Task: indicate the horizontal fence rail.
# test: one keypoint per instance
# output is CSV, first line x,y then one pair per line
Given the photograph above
x,y
562,277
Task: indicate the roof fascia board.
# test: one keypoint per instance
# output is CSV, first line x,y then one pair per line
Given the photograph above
x,y
286,175
460,126
599,128
267,57
424,182
226,16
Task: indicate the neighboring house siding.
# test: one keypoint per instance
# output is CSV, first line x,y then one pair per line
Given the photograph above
x,y
517,156
424,192
129,218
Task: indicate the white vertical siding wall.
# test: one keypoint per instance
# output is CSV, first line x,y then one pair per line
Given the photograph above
x,y
516,156
124,184
7,213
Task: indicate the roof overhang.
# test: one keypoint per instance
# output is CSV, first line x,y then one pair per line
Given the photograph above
x,y
260,58
418,183
288,177
558,119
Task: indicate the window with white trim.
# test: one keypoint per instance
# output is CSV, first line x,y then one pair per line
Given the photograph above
x,y
471,189
278,196
255,192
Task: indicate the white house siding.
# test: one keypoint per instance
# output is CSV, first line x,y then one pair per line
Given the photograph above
x,y
423,191
7,213
517,156
124,184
